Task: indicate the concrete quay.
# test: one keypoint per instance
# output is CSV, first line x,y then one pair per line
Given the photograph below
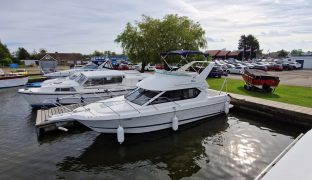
x,y
278,111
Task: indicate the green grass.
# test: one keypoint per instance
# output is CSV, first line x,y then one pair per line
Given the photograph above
x,y
297,95
36,77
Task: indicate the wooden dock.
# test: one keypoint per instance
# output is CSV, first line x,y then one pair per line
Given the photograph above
x,y
44,114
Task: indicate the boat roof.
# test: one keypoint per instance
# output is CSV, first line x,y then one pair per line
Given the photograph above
x,y
166,81
182,53
102,73
296,163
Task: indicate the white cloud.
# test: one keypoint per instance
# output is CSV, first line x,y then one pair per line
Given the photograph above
x,y
85,26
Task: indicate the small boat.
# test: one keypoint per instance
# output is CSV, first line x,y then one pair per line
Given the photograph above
x,y
83,87
166,99
12,80
91,66
256,79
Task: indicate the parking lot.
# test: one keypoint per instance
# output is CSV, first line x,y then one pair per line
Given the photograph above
x,y
294,78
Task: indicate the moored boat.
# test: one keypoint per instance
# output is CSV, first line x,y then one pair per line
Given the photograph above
x,y
12,80
83,87
166,99
91,66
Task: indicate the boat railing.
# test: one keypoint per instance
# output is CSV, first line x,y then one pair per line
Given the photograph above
x,y
224,84
66,109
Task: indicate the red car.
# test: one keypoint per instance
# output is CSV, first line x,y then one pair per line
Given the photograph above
x,y
122,67
160,66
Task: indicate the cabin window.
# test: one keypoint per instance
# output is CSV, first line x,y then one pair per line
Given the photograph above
x,y
66,89
81,79
141,96
177,95
103,81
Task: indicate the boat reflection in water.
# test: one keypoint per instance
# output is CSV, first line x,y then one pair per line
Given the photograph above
x,y
220,147
178,153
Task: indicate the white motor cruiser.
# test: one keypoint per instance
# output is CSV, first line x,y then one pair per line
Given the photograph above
x,y
91,66
166,99
83,87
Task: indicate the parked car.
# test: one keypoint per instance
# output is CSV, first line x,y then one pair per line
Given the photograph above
x,y
148,67
296,65
160,66
277,67
122,67
287,66
261,67
217,72
235,70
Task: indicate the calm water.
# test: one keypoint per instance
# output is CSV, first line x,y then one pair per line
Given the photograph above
x,y
224,147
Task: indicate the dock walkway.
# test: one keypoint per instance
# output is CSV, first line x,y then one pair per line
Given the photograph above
x,y
44,114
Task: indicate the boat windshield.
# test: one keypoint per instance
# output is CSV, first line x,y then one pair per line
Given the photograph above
x,y
89,67
141,96
81,79
73,76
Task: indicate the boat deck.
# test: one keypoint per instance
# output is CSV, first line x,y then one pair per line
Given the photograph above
x,y
294,164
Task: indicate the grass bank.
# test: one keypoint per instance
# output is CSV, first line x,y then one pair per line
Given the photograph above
x,y
297,95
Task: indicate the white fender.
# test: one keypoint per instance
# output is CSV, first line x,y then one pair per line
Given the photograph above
x,y
62,128
175,123
120,134
226,107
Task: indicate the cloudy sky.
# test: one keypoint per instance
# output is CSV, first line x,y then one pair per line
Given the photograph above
x,y
85,26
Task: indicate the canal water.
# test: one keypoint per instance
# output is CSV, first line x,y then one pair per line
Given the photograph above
x,y
237,146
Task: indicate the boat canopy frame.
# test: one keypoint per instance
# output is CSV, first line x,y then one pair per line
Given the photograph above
x,y
183,54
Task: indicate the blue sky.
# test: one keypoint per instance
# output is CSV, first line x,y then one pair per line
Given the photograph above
x,y
85,26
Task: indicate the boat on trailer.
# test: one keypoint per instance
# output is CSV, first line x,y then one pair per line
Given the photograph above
x,y
256,79
164,100
83,87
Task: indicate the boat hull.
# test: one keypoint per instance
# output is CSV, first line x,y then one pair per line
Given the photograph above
x,y
39,100
149,123
13,81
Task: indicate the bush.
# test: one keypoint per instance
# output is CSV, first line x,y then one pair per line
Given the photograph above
x,y
5,61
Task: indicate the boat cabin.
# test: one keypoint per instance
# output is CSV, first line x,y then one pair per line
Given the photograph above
x,y
148,97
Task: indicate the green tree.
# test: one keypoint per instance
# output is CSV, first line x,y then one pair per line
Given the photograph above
x,y
4,52
282,53
97,53
43,51
296,52
22,54
249,42
5,61
34,55
5,55
143,41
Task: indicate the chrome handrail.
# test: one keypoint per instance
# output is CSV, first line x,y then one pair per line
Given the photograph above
x,y
224,83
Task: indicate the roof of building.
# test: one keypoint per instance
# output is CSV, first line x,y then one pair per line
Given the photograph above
x,y
234,53
223,53
63,56
213,52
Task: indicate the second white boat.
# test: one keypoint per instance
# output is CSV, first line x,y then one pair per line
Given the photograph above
x,y
84,87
